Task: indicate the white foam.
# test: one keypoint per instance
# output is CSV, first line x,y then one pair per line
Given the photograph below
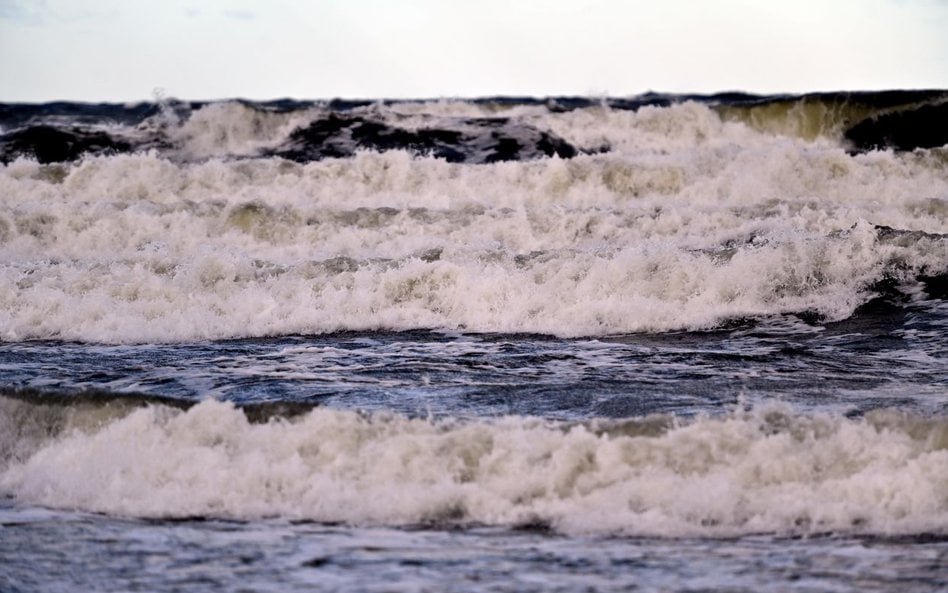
x,y
767,470
689,221
232,128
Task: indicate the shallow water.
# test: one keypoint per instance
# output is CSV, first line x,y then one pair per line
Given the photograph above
x,y
63,551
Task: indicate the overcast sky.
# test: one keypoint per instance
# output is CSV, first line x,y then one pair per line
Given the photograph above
x,y
120,50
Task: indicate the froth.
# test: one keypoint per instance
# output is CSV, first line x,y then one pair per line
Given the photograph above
x,y
767,470
689,221
234,129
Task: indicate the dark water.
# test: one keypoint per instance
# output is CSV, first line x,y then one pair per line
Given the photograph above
x,y
99,554
895,357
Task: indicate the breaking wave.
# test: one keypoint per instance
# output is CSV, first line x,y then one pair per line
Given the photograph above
x,y
565,217
762,470
473,131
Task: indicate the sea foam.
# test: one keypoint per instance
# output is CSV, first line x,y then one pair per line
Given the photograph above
x,y
689,221
764,470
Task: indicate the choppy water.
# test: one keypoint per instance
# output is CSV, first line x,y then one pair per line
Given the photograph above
x,y
667,343
280,556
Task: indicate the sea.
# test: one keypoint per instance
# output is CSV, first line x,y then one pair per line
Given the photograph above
x,y
648,343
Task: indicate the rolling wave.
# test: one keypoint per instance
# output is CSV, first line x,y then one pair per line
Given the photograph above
x,y
475,131
557,217
765,470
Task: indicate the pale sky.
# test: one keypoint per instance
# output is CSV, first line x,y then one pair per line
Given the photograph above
x,y
123,50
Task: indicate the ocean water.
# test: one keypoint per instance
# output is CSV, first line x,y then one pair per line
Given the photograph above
x,y
660,343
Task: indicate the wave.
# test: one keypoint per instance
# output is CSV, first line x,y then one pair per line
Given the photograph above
x,y
571,294
667,218
899,120
475,131
175,269
762,470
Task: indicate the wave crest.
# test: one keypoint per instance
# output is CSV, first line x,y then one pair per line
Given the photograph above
x,y
763,470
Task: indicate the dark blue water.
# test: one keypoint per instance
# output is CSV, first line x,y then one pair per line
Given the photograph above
x,y
888,357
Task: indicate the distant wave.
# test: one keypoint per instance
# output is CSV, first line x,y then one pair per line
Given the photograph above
x,y
476,131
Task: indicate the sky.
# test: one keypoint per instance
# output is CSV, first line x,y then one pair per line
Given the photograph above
x,y
129,50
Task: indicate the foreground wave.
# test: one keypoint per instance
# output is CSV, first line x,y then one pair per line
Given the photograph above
x,y
768,469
